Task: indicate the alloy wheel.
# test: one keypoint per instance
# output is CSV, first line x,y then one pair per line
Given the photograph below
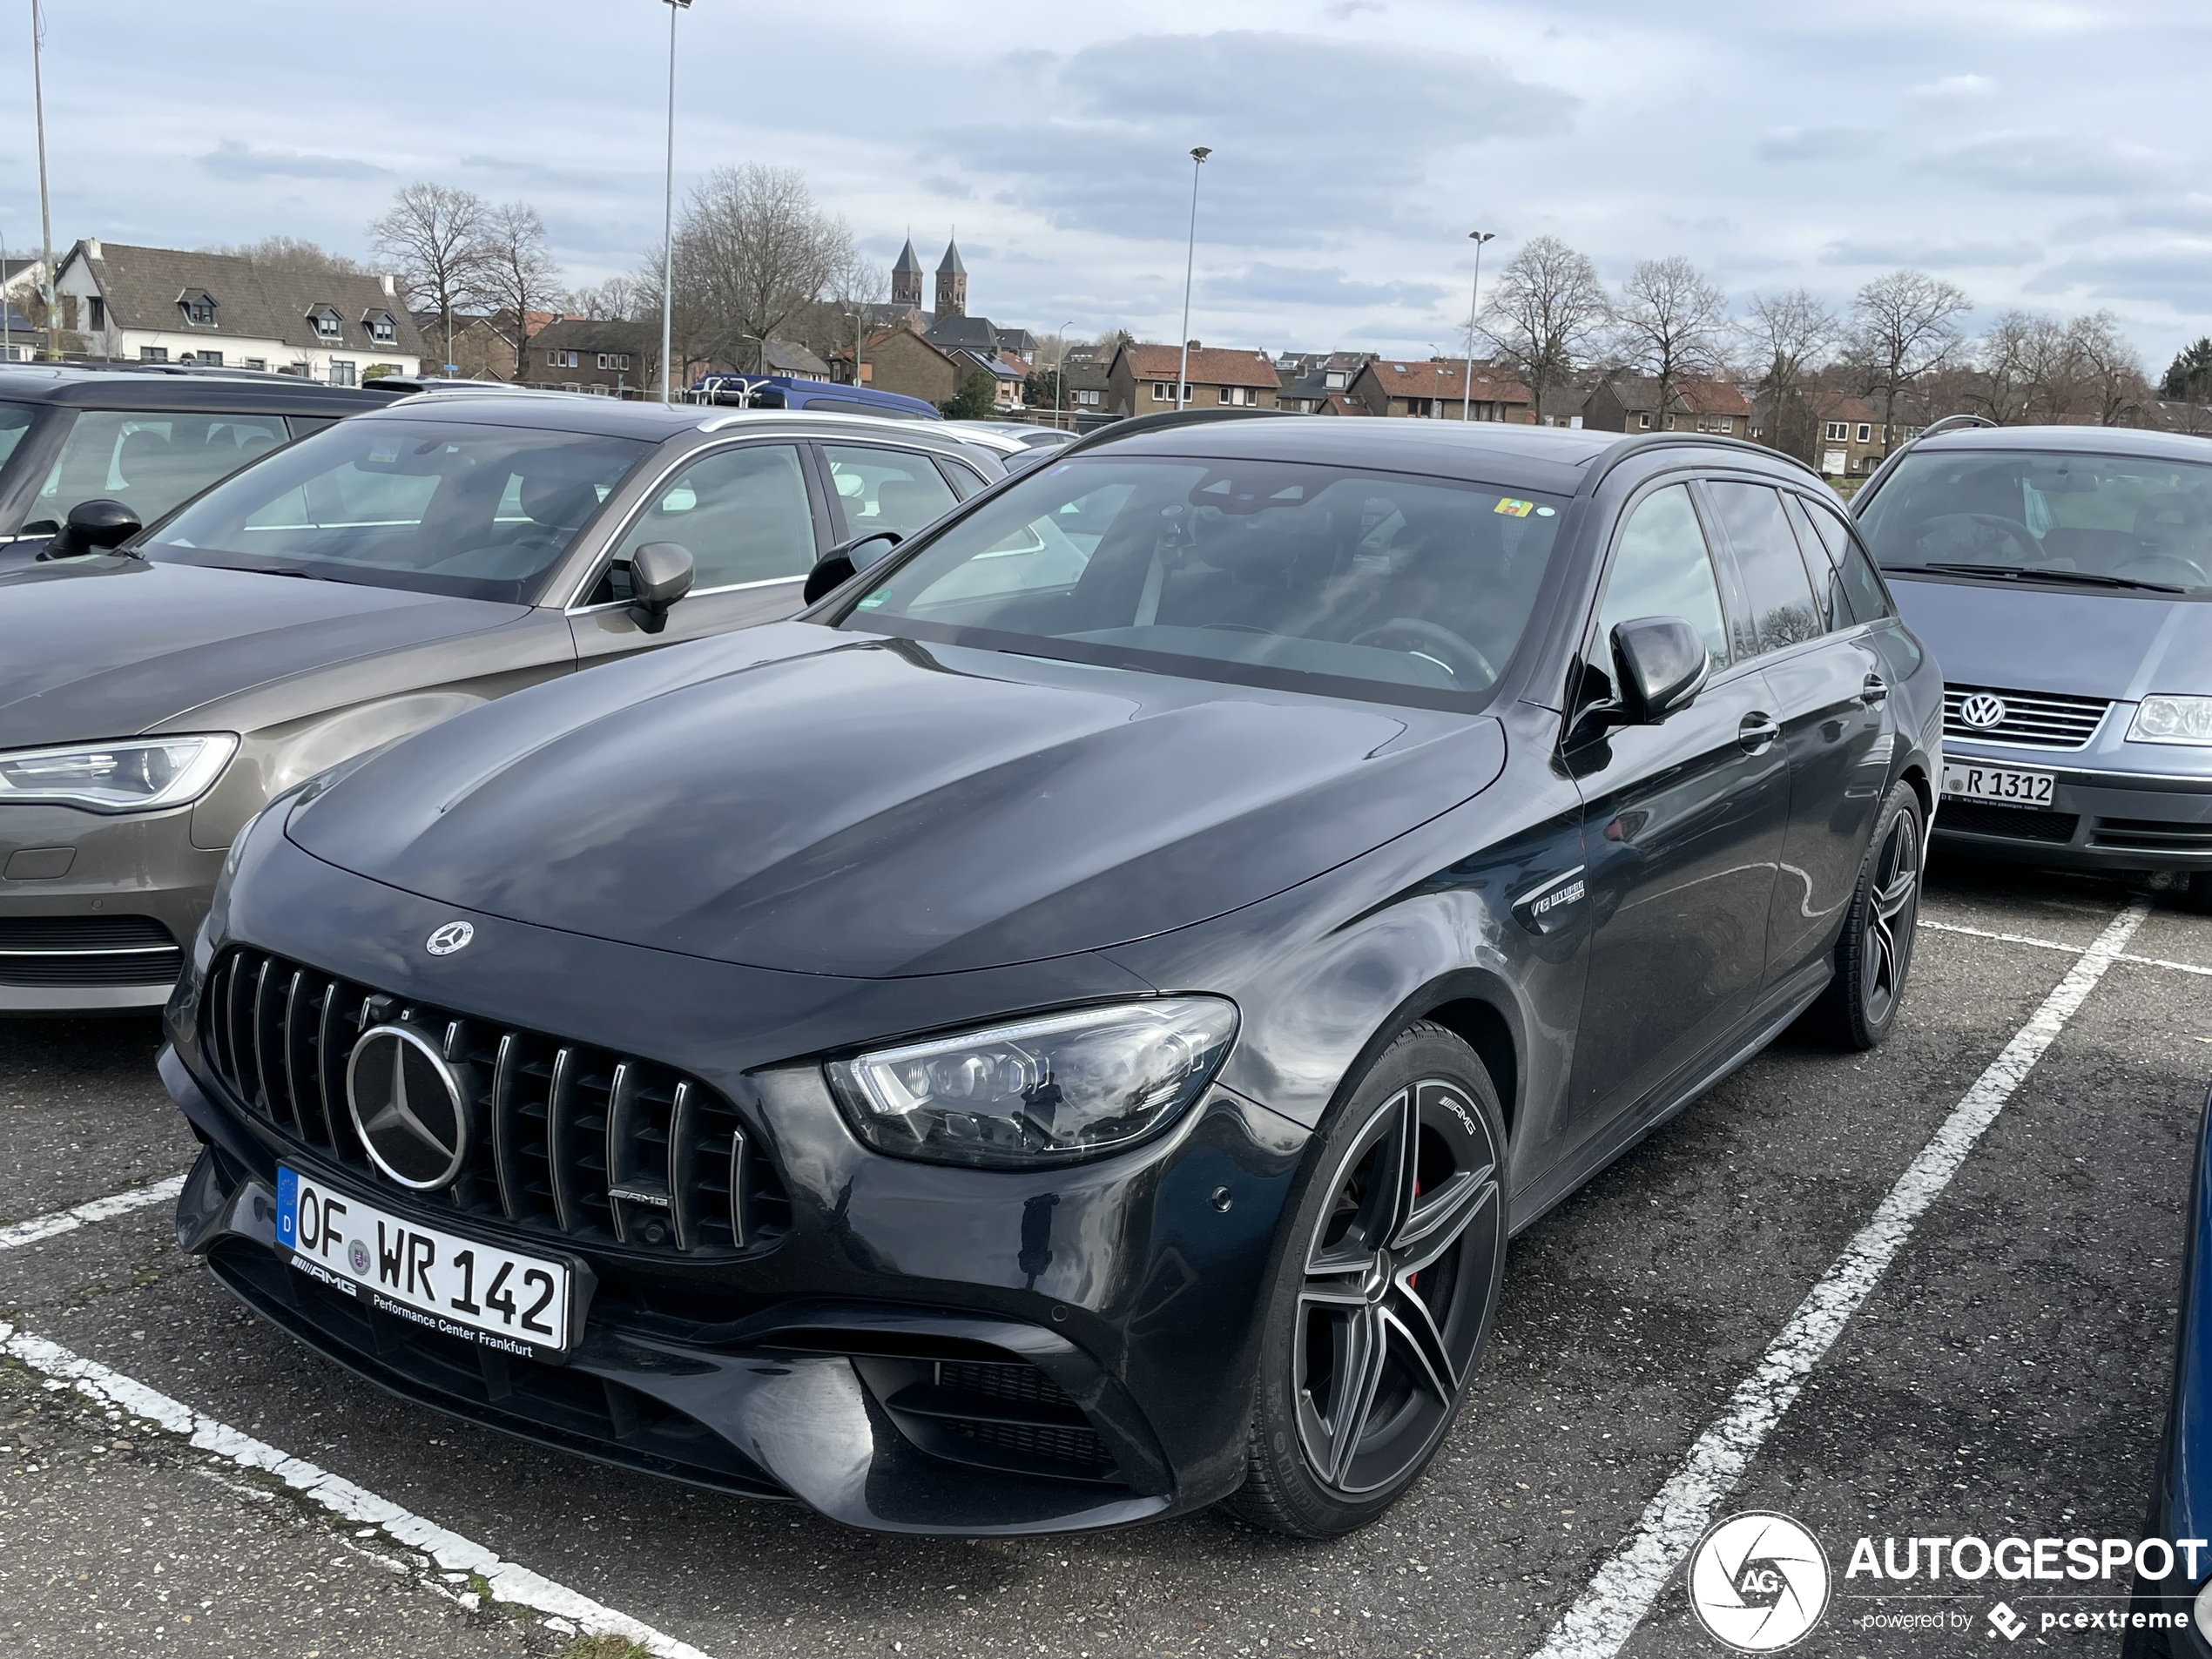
x,y
1397,1281
1892,904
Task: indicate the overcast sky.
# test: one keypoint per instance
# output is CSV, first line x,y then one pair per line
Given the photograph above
x,y
2046,153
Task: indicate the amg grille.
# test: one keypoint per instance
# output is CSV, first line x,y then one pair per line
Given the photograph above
x,y
2009,823
568,1139
87,950
2034,719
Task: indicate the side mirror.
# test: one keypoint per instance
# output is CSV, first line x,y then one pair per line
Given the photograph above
x,y
101,522
1662,665
841,563
660,574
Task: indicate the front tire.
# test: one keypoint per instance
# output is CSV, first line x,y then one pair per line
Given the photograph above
x,y
2197,894
1874,956
1385,1293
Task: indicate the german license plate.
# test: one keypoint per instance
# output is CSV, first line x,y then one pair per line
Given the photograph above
x,y
1999,786
460,1286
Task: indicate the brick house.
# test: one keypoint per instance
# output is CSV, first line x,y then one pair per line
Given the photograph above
x,y
1142,379
608,359
1309,380
899,359
1630,403
1438,390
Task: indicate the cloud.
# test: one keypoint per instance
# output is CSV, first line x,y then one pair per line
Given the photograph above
x,y
234,161
1814,144
1345,8
1956,86
2172,276
1301,285
938,184
2051,163
1935,255
1112,154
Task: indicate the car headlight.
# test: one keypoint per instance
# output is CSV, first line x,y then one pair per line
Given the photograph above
x,y
134,775
2173,720
1050,1090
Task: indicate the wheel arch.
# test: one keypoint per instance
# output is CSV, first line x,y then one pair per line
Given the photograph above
x,y
1476,1006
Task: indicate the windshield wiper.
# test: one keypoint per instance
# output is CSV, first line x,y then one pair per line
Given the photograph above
x,y
2028,573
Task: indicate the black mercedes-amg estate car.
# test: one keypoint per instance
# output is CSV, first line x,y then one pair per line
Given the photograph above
x,y
1061,1031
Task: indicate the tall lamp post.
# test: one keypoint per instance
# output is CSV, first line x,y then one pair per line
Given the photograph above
x,y
1474,307
45,220
1060,375
668,210
1190,260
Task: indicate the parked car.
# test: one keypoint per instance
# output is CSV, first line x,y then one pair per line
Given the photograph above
x,y
827,397
1062,1032
148,439
1036,441
456,548
2174,1606
2063,576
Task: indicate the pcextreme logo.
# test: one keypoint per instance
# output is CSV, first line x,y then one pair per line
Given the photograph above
x,y
1758,1581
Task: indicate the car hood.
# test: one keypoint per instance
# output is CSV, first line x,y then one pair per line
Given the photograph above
x,y
797,798
2075,641
113,646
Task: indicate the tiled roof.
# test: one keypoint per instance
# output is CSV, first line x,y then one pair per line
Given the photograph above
x,y
907,260
1210,365
1637,393
577,333
1446,379
141,285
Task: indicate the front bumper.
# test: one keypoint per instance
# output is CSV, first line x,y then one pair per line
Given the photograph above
x,y
910,1348
2110,809
95,912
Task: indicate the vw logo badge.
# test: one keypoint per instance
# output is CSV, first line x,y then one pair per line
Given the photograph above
x,y
1758,1581
1981,710
450,938
410,1111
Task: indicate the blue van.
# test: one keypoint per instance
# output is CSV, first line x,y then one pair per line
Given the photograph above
x,y
826,397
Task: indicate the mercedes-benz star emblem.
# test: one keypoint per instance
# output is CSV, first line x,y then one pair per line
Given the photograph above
x,y
450,938
1981,710
411,1110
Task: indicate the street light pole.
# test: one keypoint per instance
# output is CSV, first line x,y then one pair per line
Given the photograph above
x,y
1190,260
1059,375
45,219
668,210
1474,307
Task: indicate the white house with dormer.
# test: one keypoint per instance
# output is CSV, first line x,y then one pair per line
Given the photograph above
x,y
160,305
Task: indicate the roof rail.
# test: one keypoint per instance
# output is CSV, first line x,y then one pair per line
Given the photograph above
x,y
1135,426
1949,423
1636,443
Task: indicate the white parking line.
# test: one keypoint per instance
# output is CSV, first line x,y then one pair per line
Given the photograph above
x,y
39,1228
452,1552
1617,1599
2060,944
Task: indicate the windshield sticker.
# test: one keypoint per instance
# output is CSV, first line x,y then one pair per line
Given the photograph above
x,y
871,601
1515,508
1545,512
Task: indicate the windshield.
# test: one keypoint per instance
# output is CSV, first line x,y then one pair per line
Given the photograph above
x,y
2120,521
15,420
439,507
149,459
1273,573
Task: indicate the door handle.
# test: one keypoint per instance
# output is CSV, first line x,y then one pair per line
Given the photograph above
x,y
1876,690
1756,732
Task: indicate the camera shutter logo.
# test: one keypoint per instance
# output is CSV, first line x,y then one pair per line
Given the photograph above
x,y
443,941
410,1109
1981,710
1758,1581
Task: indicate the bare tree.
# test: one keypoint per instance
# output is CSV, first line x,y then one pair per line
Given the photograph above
x,y
1903,326
1786,335
2111,372
1543,313
751,248
292,253
518,274
615,300
433,235
1670,324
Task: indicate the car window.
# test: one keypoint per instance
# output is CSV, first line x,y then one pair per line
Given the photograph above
x,y
1830,604
1778,596
1870,601
886,489
150,461
964,479
2123,522
434,506
1266,572
15,420
1662,568
742,512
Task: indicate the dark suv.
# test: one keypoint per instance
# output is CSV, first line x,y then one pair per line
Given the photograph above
x,y
70,434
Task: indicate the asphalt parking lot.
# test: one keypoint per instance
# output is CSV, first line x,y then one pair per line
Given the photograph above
x,y
2005,1373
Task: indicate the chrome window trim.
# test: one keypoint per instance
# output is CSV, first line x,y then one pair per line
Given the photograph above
x,y
696,593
